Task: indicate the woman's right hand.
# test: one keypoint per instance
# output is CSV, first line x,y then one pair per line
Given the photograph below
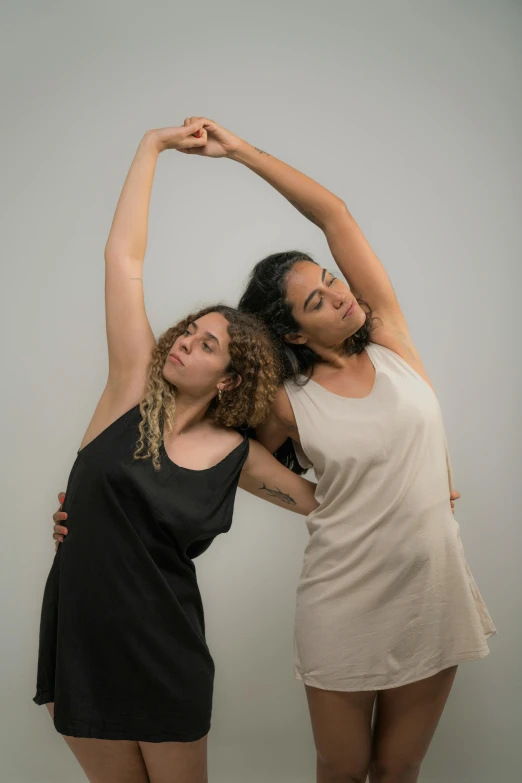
x,y
59,516
183,138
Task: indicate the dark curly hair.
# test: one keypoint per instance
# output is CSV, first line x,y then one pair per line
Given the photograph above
x,y
252,356
265,297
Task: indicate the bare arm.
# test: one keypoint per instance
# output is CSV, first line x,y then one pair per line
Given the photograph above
x,y
60,530
266,478
129,336
351,251
279,425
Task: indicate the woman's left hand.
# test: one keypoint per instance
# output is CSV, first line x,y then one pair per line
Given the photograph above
x,y
454,495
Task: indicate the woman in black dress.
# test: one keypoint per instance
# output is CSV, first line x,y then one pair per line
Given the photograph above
x,y
123,663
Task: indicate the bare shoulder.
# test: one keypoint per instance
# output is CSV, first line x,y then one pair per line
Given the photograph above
x,y
259,458
221,439
256,451
400,342
279,425
282,408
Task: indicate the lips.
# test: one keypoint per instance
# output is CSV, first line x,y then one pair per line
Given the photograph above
x,y
350,309
174,358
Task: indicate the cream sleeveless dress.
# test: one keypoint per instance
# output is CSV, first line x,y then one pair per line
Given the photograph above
x,y
385,596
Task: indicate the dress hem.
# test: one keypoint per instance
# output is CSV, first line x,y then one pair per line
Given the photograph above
x,y
463,658
133,736
43,697
84,731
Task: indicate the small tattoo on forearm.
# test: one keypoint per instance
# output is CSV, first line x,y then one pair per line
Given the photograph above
x,y
261,152
304,212
282,496
135,278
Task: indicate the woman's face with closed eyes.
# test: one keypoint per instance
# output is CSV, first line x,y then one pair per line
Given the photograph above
x,y
323,306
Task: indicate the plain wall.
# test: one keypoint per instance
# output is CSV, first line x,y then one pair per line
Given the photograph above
x,y
410,112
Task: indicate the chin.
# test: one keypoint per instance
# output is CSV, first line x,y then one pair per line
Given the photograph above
x,y
169,373
359,318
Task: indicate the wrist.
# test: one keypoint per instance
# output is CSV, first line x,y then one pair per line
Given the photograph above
x,y
243,152
152,140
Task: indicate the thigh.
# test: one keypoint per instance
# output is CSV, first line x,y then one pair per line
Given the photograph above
x,y
406,719
342,729
176,762
108,761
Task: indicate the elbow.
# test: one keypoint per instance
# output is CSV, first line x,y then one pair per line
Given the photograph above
x,y
113,253
339,215
117,250
339,209
336,212
110,253
118,258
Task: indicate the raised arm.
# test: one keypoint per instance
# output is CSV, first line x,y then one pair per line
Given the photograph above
x,y
266,478
129,336
351,251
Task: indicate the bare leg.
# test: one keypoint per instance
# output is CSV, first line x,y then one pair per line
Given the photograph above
x,y
176,762
108,761
405,724
342,726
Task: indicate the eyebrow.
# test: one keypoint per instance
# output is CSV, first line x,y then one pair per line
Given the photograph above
x,y
314,292
211,336
208,335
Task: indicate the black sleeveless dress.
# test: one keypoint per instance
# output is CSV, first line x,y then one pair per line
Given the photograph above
x,y
122,637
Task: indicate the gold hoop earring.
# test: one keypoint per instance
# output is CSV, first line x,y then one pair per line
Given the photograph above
x,y
220,395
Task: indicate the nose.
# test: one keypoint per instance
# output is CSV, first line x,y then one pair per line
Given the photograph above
x,y
338,300
185,344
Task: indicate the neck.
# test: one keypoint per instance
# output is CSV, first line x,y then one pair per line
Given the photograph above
x,y
336,356
190,411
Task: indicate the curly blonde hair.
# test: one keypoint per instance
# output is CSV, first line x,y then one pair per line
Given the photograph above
x,y
253,356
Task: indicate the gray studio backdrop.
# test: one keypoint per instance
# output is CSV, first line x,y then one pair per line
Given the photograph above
x,y
411,112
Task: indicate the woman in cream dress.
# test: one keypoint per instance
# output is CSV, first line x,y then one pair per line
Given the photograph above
x,y
386,606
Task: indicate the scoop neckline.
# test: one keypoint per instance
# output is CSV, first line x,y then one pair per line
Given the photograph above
x,y
201,470
356,399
